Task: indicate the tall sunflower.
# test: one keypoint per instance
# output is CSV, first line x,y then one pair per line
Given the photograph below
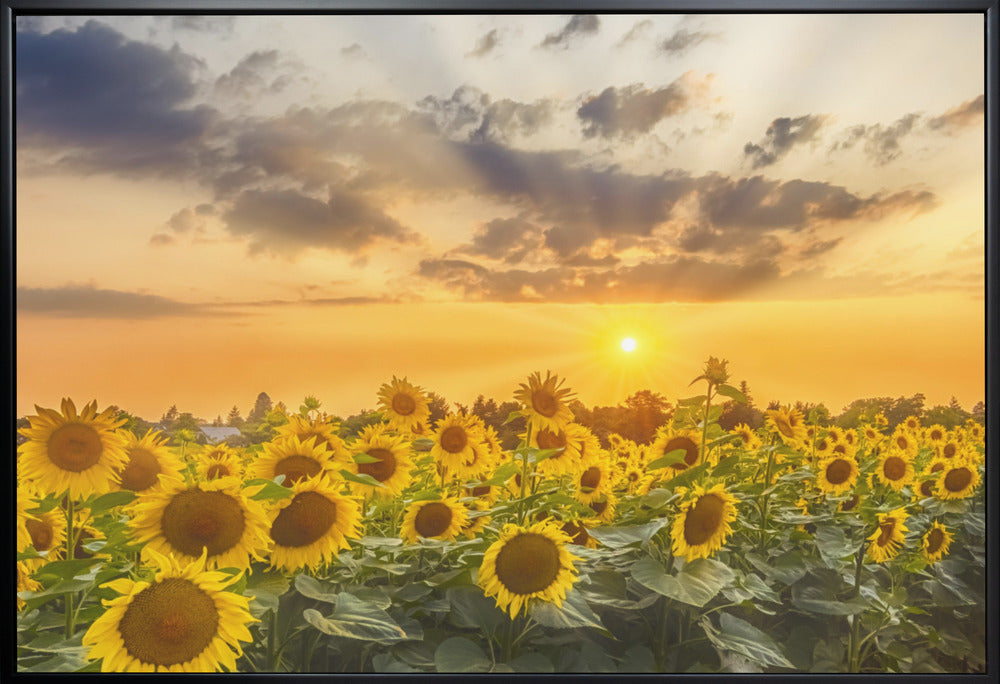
x,y
935,542
673,439
393,464
702,525
837,475
546,402
70,451
312,525
788,423
182,621
224,465
957,480
565,462
48,537
434,519
888,537
592,482
321,432
895,469
148,458
404,405
293,458
455,438
175,518
527,565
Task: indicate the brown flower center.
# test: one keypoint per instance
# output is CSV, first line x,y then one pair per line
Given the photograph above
x,y
704,519
170,622
934,540
41,533
784,426
141,470
551,440
949,450
591,477
383,468
888,526
433,519
305,520
454,439
927,488
850,503
78,550
194,519
75,447
599,506
838,472
403,404
894,468
577,532
296,467
217,470
822,444
689,447
527,563
936,435
902,442
544,403
957,479
481,490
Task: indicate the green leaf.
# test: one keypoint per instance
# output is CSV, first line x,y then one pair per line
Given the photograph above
x,y
693,401
617,537
356,619
422,444
266,588
269,490
512,416
532,662
726,466
686,477
312,588
457,654
740,637
361,478
732,393
815,600
538,455
833,544
667,460
66,569
787,568
110,500
503,473
696,584
574,612
365,458
470,609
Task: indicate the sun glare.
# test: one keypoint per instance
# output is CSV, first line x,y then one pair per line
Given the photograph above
x,y
628,344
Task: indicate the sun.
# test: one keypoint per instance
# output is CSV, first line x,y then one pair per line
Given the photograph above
x,y
628,344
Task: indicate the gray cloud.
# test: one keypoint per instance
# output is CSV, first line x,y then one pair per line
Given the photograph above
x,y
510,240
963,116
682,40
91,302
578,25
193,22
248,76
639,29
625,112
881,143
471,113
781,136
353,51
817,248
485,44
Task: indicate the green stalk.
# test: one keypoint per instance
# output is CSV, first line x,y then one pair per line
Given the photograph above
x,y
272,640
854,645
524,476
764,499
704,424
70,548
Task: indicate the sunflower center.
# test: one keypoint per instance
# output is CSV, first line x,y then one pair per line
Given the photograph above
x,y
433,519
403,404
194,519
927,488
838,472
78,550
934,540
577,532
544,403
453,439
216,470
591,477
840,449
957,479
481,490
704,519
850,503
296,467
785,426
936,435
527,563
383,468
949,450
887,527
170,622
75,447
304,520
41,533
551,440
894,468
822,445
599,506
685,443
937,467
141,471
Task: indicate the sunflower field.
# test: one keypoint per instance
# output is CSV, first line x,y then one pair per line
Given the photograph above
x,y
418,547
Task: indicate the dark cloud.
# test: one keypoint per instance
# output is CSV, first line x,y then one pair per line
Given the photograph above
x,y
510,240
194,22
485,44
625,112
249,76
353,51
91,302
637,31
781,136
187,220
881,143
815,249
578,25
285,222
114,104
683,40
963,116
471,113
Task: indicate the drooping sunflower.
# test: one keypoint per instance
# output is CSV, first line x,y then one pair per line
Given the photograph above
x,y
604,508
224,465
48,536
313,524
926,487
702,526
590,447
788,423
455,437
434,519
70,451
175,518
957,480
182,621
565,462
293,458
148,458
673,439
403,405
392,469
24,582
577,532
935,542
526,565
546,402
837,474
888,537
749,440
592,482
895,469
319,431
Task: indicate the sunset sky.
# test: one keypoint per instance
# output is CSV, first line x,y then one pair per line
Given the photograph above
x,y
211,207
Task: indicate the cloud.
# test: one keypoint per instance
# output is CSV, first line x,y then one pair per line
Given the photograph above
x,y
817,248
626,112
682,40
108,103
247,78
881,143
91,302
471,113
485,44
510,240
285,222
194,22
639,29
353,51
578,25
964,115
781,136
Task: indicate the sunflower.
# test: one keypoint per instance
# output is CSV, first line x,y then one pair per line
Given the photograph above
x,y
22,536
475,524
844,450
880,420
911,423
578,534
70,451
402,404
974,430
175,518
434,519
823,448
871,434
455,437
957,480
312,525
936,435
592,482
850,437
320,432
837,474
545,401
673,439
834,434
604,508
951,447
148,458
224,465
526,565
633,476
218,451
895,469
788,423
929,479
590,447
749,440
182,621
293,458
482,462
935,542
392,468
84,534
903,441
702,526
565,462
48,536
24,582
482,494
849,504
888,537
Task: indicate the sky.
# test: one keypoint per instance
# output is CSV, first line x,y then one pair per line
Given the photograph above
x,y
209,207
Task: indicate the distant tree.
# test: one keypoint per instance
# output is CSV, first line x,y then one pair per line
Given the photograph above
x,y
234,419
438,407
903,408
735,413
352,425
745,389
645,412
280,406
168,418
495,415
218,421
949,416
260,408
979,413
863,411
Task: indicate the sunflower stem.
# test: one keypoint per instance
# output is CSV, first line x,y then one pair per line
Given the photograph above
x,y
764,498
704,423
272,640
70,546
524,476
853,662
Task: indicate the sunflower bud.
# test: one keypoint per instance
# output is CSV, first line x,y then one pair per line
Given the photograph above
x,y
716,371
